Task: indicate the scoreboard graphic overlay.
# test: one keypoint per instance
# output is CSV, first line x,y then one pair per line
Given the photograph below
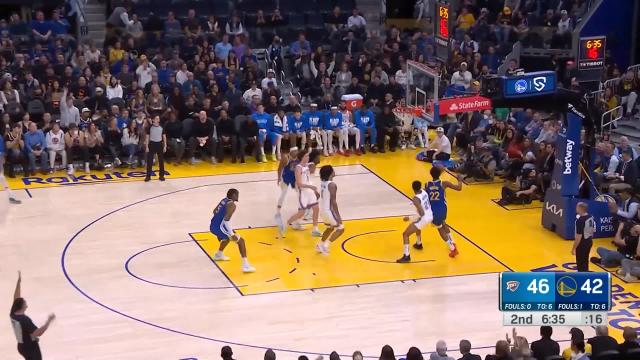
x,y
573,299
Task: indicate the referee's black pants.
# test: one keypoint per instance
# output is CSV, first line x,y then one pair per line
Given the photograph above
x,y
31,352
582,254
155,148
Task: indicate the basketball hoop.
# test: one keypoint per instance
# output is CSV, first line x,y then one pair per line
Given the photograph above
x,y
407,113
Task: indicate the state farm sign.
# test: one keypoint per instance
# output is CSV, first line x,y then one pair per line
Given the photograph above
x,y
464,104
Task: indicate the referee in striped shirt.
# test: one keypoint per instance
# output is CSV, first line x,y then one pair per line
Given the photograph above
x,y
585,228
156,143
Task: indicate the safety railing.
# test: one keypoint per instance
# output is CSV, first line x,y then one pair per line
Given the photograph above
x,y
609,118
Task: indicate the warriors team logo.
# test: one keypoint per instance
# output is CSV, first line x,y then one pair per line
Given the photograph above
x,y
513,285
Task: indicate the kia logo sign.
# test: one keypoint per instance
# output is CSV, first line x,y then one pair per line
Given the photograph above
x,y
464,104
521,86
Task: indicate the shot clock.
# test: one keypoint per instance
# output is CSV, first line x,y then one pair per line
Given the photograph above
x,y
544,298
592,52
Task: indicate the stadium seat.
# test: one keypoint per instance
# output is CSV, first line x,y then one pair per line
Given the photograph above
x,y
633,354
608,355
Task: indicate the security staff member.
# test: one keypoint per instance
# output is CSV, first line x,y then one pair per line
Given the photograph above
x,y
156,143
585,227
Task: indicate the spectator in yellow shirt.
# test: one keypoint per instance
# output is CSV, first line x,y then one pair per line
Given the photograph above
x,y
576,334
465,19
116,53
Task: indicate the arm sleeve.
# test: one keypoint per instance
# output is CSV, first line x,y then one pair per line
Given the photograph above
x,y
631,213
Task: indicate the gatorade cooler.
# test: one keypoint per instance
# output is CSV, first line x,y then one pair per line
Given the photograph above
x,y
353,101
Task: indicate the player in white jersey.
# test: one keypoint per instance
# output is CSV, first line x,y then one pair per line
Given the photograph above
x,y
307,194
425,217
329,210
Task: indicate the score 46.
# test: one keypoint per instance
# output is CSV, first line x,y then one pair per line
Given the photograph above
x,y
541,286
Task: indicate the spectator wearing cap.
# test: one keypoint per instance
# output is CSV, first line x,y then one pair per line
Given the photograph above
x,y
577,335
462,77
602,341
440,148
269,79
545,346
98,102
465,350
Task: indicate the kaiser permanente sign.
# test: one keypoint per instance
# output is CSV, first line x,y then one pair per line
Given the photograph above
x,y
464,104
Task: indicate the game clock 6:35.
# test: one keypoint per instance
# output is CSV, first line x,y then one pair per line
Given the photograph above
x,y
553,319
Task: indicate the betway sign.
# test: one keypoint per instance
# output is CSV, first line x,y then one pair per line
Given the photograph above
x,y
464,104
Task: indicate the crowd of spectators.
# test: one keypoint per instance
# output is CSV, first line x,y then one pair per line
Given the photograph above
x,y
601,346
203,80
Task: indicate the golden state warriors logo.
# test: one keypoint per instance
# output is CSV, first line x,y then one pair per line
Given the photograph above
x,y
512,285
566,286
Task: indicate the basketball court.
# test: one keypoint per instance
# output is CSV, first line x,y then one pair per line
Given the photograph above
x,y
127,266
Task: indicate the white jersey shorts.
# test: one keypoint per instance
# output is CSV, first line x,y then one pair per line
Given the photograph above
x,y
424,220
329,219
306,199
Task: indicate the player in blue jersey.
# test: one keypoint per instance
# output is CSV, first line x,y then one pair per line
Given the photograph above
x,y
3,181
315,123
424,217
286,180
262,119
222,229
298,127
332,126
436,190
278,130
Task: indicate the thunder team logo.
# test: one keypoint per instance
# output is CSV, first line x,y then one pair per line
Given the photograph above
x,y
513,285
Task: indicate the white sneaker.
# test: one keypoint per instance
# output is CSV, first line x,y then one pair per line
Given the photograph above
x,y
117,162
220,257
297,226
87,169
70,169
321,250
307,215
214,160
248,269
316,233
280,224
412,147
